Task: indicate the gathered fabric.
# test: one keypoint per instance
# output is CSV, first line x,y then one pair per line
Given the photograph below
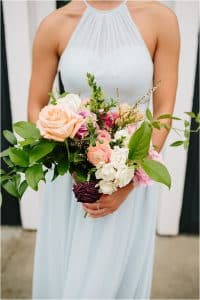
x,y
109,257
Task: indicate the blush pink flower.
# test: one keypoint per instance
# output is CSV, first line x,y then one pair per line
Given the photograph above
x,y
99,153
57,122
103,136
141,178
132,128
153,154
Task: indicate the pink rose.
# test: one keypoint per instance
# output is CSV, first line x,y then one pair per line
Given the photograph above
x,y
99,153
141,178
103,136
153,154
57,122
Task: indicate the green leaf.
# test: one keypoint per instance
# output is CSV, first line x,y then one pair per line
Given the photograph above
x,y
168,116
2,172
33,175
197,119
0,199
26,142
19,157
22,188
140,141
10,137
177,143
4,153
4,178
81,176
186,123
149,115
55,173
8,161
41,150
190,114
156,125
27,130
156,171
10,187
63,167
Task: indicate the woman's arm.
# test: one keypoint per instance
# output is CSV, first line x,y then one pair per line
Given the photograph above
x,y
166,62
44,67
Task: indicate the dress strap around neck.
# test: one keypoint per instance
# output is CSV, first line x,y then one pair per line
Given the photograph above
x,y
87,4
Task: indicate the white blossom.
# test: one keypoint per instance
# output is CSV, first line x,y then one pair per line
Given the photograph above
x,y
71,101
107,187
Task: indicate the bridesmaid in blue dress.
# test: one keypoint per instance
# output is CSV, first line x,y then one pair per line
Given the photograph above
x,y
128,45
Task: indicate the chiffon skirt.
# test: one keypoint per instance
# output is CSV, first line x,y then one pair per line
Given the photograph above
x,y
109,257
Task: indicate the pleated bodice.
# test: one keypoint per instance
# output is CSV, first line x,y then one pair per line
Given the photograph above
x,y
108,44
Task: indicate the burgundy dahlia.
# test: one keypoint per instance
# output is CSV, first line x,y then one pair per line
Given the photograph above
x,y
86,192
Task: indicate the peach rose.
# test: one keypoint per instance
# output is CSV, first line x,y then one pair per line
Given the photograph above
x,y
99,153
103,136
57,122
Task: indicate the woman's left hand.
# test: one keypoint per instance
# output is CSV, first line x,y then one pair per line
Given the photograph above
x,y
107,204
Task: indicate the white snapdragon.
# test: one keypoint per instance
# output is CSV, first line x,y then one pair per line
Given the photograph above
x,y
123,133
119,157
71,101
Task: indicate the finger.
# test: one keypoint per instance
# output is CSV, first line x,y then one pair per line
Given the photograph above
x,y
94,205
97,212
98,216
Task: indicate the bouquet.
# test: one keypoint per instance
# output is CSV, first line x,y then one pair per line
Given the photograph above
x,y
104,143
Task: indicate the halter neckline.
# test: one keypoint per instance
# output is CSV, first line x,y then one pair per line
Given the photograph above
x,y
105,10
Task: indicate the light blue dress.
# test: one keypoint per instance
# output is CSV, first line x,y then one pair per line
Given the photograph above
x,y
109,257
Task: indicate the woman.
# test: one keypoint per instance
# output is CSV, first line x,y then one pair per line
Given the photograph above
x,y
126,44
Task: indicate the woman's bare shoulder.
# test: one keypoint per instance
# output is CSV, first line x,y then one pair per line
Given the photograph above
x,y
53,22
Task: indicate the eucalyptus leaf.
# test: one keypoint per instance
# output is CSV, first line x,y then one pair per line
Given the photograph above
x,y
156,171
10,137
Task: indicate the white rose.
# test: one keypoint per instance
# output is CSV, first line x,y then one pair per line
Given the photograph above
x,y
119,156
72,101
106,172
124,176
106,187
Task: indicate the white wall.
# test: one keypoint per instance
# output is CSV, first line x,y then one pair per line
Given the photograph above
x,y
170,202
21,20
